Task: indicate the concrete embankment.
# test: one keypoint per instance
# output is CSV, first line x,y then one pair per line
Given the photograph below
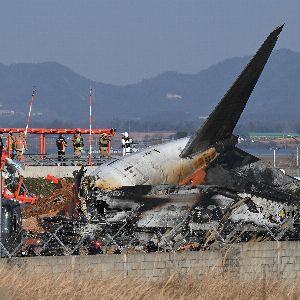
x,y
57,171
244,261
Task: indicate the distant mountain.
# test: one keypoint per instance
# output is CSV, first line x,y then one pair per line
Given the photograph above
x,y
168,100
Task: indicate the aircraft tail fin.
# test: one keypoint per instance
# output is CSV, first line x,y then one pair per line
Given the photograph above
x,y
222,121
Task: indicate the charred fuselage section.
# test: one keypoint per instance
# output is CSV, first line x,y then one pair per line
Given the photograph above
x,y
238,202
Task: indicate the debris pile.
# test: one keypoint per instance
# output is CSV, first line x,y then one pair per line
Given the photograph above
x,y
63,200
163,217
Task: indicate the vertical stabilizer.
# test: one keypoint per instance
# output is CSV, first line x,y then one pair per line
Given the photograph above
x,y
222,121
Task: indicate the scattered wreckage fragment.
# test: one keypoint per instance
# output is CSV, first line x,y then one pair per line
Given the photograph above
x,y
171,216
14,192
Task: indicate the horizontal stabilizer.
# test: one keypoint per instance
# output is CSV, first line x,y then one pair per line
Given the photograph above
x,y
236,158
222,121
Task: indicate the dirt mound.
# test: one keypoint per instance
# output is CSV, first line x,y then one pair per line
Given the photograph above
x,y
32,224
62,200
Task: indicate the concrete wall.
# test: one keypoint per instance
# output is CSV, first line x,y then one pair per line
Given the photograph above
x,y
57,171
252,260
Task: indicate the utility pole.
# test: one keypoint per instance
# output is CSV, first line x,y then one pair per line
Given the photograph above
x,y
91,140
297,157
274,155
28,118
297,151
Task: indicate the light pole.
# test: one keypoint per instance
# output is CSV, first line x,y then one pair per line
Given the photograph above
x,y
274,155
91,139
297,156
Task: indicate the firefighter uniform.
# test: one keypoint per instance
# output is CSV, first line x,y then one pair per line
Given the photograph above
x,y
61,145
20,145
1,146
103,145
11,145
77,144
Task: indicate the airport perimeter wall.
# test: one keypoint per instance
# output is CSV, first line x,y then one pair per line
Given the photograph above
x,y
244,261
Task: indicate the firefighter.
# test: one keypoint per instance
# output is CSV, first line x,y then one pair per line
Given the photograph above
x,y
126,143
103,145
1,144
77,143
11,145
20,146
3,153
61,145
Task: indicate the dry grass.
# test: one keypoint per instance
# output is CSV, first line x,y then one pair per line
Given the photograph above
x,y
17,285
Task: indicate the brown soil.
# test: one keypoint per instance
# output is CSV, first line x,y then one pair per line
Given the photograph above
x,y
32,224
63,199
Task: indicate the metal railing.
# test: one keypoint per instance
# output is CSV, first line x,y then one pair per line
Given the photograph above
x,y
67,160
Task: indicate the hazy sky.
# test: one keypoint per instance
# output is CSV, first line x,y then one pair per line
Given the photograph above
x,y
125,41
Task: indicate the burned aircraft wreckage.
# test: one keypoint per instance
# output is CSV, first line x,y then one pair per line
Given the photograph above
x,y
199,189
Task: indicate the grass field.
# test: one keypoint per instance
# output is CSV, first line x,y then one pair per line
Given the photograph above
x,y
16,285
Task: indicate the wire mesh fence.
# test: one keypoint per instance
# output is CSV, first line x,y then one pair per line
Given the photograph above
x,y
64,237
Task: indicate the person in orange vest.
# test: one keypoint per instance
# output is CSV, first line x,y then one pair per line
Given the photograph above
x,y
1,144
21,146
61,145
3,154
11,145
3,158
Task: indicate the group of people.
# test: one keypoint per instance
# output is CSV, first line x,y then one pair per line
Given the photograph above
x,y
78,145
15,144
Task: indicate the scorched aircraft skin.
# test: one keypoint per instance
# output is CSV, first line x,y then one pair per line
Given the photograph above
x,y
200,188
174,162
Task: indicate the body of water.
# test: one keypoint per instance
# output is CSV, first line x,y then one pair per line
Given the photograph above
x,y
258,151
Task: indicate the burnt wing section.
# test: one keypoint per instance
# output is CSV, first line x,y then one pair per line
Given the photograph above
x,y
225,116
244,173
235,158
